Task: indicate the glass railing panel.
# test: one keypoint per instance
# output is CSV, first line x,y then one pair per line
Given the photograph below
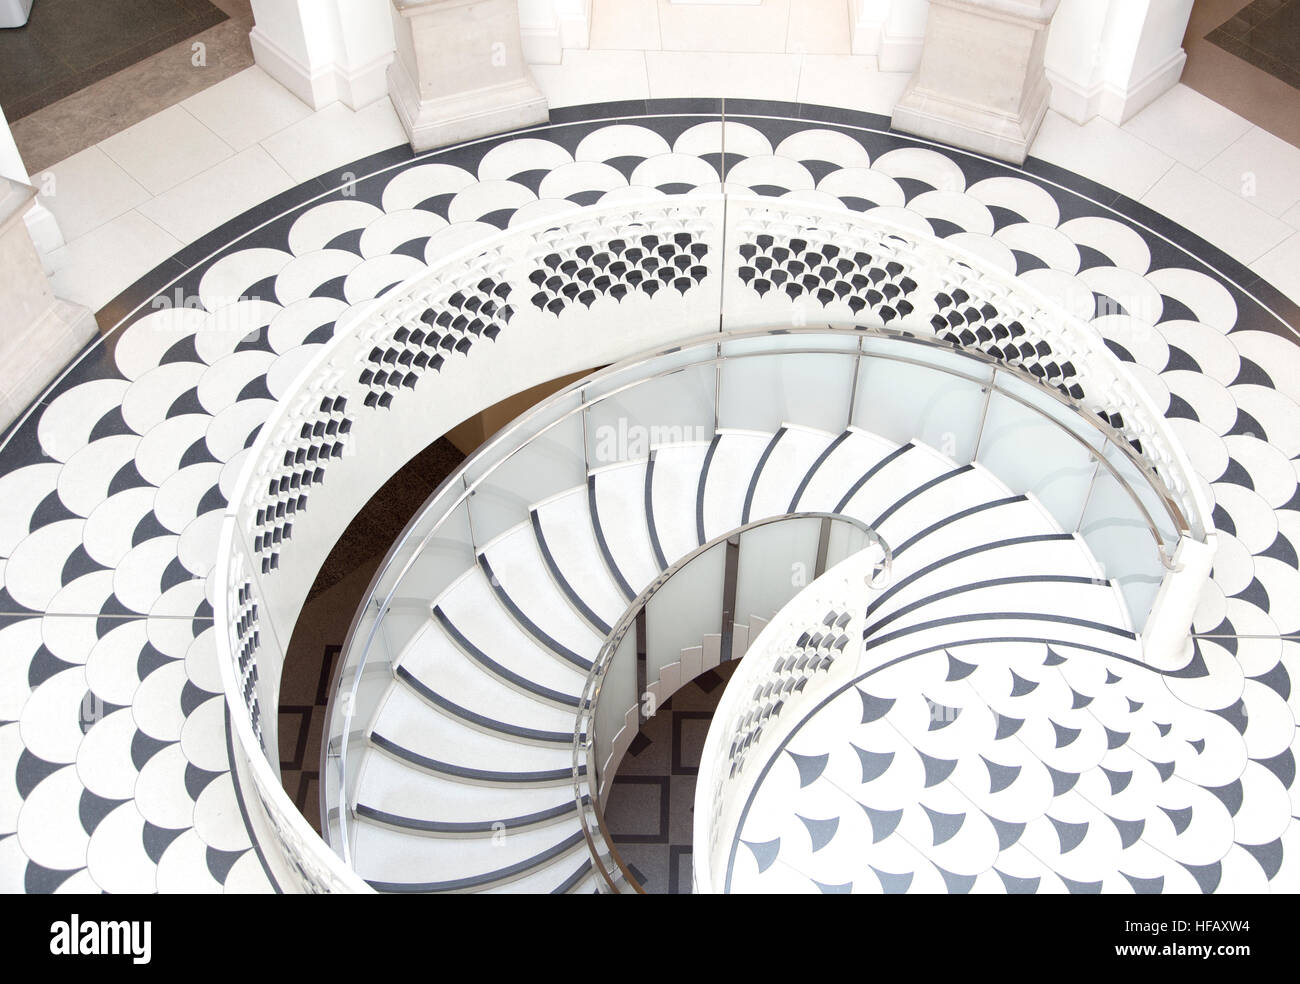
x,y
762,392
439,561
550,463
1136,479
618,696
668,409
1120,538
762,587
1028,452
844,540
905,401
684,610
1074,420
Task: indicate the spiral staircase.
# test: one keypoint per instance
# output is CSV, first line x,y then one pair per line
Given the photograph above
x,y
473,738
984,456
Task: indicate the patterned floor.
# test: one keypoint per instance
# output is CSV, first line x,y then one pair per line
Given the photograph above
x,y
651,807
114,765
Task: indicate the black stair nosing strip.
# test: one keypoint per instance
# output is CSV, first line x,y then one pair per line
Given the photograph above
x,y
482,721
558,577
531,627
821,460
655,545
758,473
601,542
978,586
701,486
488,877
472,775
919,491
961,555
1081,623
574,880
468,827
871,473
496,669
956,517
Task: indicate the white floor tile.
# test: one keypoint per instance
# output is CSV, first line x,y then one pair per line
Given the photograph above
x,y
217,195
246,108
1229,222
166,149
624,24
1292,217
745,76
1103,152
593,76
96,267
707,27
87,190
334,135
1190,127
850,81
1260,168
1280,266
818,27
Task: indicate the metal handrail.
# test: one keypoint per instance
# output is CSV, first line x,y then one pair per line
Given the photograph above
x,y
586,737
712,354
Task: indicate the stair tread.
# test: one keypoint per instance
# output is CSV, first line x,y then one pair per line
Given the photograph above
x,y
566,524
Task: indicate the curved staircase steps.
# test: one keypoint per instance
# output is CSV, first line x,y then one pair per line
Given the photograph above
x,y
466,779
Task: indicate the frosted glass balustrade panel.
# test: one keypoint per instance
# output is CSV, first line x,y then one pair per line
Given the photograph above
x,y
1076,421
916,400
438,560
1151,500
1118,536
684,610
669,409
777,561
844,540
539,457
1029,452
617,696
762,392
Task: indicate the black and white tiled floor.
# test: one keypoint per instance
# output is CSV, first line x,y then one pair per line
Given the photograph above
x,y
114,764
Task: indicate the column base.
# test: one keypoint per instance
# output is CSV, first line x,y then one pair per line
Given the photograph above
x,y
977,128
34,358
464,116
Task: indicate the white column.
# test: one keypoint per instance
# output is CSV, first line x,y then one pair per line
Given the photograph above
x,y
460,71
981,84
892,30
325,51
1111,58
40,220
547,27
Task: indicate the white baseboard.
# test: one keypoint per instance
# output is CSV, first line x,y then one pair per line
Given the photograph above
x,y
1111,102
316,89
899,53
44,229
355,88
542,45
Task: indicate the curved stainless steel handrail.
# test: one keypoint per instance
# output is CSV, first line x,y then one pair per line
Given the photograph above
x,y
510,435
586,737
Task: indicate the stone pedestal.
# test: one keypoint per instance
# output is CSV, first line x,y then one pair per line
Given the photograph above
x,y
460,72
39,333
981,84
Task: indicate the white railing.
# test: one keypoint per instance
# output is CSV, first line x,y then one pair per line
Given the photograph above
x,y
724,782
558,295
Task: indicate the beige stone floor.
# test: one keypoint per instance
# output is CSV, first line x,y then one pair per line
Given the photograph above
x,y
84,118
